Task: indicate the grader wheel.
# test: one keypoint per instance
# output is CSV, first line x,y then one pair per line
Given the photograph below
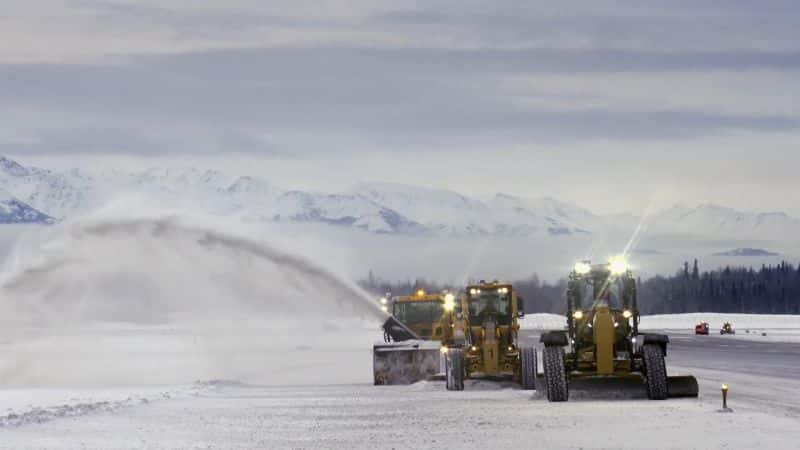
x,y
656,376
555,374
528,368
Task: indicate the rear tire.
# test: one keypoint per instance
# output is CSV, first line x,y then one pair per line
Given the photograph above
x,y
454,370
527,369
656,372
555,374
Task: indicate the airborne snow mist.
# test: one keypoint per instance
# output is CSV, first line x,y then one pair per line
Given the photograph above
x,y
79,306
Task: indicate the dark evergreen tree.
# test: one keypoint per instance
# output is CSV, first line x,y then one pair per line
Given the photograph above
x,y
773,290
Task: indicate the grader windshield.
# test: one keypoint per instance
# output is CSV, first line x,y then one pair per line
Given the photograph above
x,y
490,302
418,312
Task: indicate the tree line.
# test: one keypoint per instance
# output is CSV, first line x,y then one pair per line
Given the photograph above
x,y
766,290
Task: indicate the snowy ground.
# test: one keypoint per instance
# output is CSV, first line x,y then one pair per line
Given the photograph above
x,y
319,395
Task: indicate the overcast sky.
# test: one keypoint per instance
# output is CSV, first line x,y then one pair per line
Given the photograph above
x,y
610,104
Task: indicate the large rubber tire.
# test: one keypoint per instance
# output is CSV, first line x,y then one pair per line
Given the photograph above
x,y
454,370
655,372
555,374
527,368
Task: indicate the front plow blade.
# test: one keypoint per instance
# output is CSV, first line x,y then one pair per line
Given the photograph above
x,y
628,387
405,362
682,386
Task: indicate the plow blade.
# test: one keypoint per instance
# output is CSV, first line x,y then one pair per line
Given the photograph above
x,y
682,386
629,387
405,362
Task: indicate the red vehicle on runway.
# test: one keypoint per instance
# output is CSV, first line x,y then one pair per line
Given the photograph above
x,y
701,328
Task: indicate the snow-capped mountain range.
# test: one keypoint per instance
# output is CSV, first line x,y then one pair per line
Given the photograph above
x,y
37,195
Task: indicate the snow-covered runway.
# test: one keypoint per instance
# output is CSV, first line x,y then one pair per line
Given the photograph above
x,y
764,394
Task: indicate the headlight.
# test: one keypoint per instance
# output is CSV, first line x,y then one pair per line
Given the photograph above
x,y
383,300
617,265
473,291
627,314
577,315
443,350
582,268
384,308
449,302
474,348
421,293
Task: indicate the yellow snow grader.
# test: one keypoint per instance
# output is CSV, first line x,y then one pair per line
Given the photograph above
x,y
481,338
602,339
412,335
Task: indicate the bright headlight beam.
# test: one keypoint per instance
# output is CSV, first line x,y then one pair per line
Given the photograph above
x,y
617,265
449,302
582,268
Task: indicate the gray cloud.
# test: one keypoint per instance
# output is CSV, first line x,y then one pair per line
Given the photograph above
x,y
411,96
345,81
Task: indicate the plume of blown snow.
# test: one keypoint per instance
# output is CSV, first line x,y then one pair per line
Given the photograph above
x,y
170,298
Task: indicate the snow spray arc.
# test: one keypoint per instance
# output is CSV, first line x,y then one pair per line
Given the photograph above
x,y
151,269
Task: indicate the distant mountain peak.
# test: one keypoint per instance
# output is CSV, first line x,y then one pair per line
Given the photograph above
x,y
376,206
15,211
12,167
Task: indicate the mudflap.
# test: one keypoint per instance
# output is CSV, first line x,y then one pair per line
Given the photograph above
x,y
406,362
682,386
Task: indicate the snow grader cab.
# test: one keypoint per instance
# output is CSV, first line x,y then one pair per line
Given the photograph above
x,y
412,335
602,339
727,328
481,338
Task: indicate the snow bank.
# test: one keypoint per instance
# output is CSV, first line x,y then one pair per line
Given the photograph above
x,y
780,327
543,321
715,320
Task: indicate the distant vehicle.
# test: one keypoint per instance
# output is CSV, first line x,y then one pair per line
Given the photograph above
x,y
727,328
701,328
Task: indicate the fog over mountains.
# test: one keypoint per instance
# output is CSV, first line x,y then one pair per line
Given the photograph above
x,y
38,195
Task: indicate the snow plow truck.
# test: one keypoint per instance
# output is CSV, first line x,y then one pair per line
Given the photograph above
x,y
602,338
481,338
412,335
